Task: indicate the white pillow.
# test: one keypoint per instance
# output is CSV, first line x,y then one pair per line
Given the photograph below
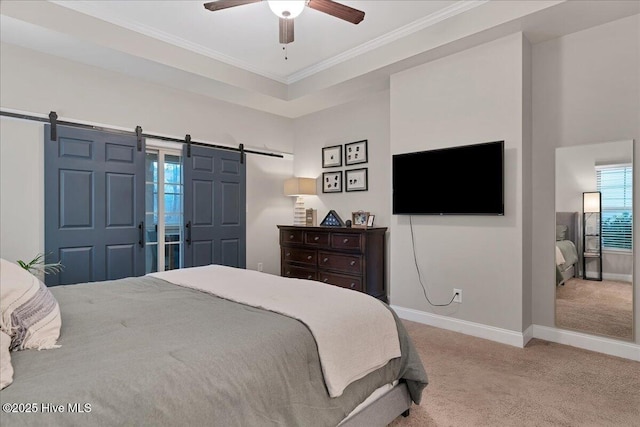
x,y
30,315
6,370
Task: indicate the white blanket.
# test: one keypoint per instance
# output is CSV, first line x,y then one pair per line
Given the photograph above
x,y
355,333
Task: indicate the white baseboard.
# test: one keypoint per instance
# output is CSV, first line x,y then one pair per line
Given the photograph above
x,y
618,277
627,350
504,336
527,335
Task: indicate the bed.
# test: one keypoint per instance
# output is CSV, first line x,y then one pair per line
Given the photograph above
x,y
566,246
148,351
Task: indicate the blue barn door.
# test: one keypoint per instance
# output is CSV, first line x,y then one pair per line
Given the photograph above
x,y
214,207
94,205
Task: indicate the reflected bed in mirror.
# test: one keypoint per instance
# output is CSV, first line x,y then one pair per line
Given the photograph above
x,y
594,263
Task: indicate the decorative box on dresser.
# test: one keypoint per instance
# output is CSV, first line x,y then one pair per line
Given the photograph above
x,y
351,258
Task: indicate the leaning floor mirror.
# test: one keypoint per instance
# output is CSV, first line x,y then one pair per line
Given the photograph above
x,y
594,239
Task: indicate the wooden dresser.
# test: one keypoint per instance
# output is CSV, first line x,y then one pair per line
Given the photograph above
x,y
348,257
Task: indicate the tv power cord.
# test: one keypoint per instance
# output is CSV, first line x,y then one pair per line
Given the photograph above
x,y
415,260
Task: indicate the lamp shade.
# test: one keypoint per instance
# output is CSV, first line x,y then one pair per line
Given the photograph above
x,y
591,201
300,187
288,9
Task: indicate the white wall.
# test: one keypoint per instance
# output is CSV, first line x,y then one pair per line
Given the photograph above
x,y
366,119
586,89
21,189
37,83
470,97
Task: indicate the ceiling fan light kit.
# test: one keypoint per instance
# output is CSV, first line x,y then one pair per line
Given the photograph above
x,y
286,10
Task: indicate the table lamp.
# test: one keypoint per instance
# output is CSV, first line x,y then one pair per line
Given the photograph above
x,y
299,187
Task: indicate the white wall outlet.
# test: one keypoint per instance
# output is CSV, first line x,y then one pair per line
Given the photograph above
x,y
457,295
260,266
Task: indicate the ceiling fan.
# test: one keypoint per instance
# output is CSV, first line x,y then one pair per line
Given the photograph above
x,y
287,10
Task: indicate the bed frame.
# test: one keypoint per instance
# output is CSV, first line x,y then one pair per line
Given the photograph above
x,y
570,219
383,410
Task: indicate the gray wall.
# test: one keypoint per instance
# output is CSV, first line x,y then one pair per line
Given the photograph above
x,y
35,82
586,89
469,97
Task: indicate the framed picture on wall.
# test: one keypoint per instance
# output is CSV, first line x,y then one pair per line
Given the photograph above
x,y
355,152
356,180
332,182
332,156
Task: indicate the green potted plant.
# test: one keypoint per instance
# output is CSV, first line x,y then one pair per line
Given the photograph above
x,y
38,267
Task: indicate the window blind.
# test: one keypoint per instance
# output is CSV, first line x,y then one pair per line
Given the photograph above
x,y
615,183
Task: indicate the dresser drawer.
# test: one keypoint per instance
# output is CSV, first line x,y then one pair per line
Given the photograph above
x,y
316,238
346,241
302,256
291,236
294,271
340,262
342,280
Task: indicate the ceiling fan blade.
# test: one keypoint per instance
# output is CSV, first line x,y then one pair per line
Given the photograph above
x,y
224,4
338,10
286,30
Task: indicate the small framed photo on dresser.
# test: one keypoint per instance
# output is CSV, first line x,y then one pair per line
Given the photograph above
x,y
355,153
370,220
359,219
332,156
332,182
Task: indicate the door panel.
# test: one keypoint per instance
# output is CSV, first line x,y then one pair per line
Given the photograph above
x,y
94,202
215,200
121,261
78,265
203,253
120,200
230,203
76,199
230,252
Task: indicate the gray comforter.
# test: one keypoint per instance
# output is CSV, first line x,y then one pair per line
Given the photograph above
x,y
145,352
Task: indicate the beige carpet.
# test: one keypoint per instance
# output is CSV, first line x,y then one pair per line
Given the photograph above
x,y
475,382
603,308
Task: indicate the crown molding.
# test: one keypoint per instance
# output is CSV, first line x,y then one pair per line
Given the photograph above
x,y
457,8
88,8
415,26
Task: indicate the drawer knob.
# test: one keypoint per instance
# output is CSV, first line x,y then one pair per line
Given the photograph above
x,y
325,260
345,241
288,273
325,280
316,238
288,254
353,263
353,285
309,277
291,236
309,257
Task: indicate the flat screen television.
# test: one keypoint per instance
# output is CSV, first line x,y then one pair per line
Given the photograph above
x,y
465,180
